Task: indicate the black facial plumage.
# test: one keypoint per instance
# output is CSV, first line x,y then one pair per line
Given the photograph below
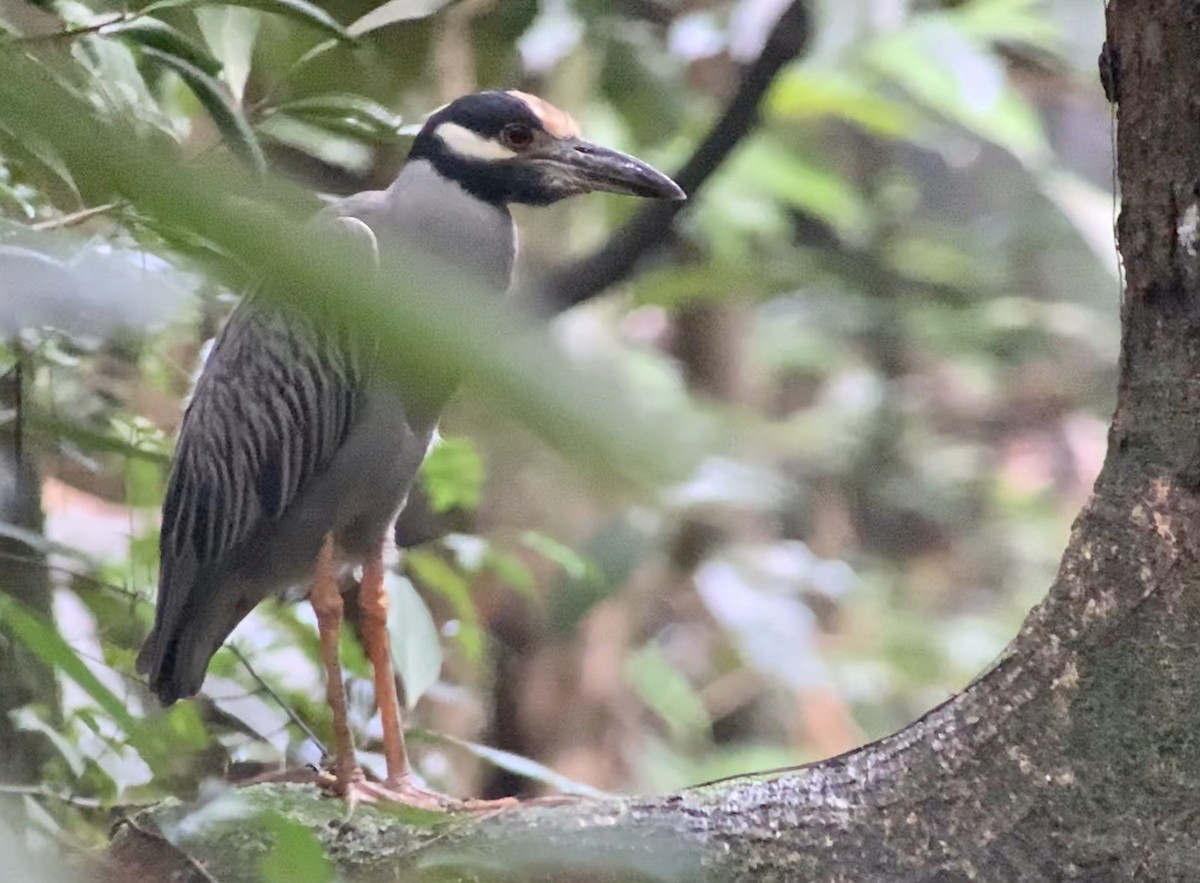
x,y
486,114
506,147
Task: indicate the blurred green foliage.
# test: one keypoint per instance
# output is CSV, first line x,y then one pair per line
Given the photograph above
x,y
889,319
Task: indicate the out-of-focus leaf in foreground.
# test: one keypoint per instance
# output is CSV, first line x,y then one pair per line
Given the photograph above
x,y
41,639
436,326
297,10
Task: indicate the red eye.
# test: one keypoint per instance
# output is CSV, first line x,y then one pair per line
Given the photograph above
x,y
518,136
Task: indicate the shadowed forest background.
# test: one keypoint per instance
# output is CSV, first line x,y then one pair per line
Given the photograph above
x,y
887,325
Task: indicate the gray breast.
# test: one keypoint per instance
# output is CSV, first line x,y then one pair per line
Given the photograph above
x,y
361,492
425,212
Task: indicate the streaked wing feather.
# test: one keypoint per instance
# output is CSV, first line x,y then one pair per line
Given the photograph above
x,y
275,403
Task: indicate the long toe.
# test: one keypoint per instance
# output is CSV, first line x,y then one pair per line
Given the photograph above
x,y
407,792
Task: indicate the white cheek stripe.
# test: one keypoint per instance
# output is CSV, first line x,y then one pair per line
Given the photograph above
x,y
466,143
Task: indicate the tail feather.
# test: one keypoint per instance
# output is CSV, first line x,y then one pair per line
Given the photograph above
x,y
175,656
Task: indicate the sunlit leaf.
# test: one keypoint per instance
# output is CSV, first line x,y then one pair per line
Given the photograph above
x,y
224,112
804,92
1012,21
154,34
11,195
299,10
452,475
416,646
943,67
230,33
393,12
341,105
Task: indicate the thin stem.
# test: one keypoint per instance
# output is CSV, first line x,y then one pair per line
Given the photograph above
x,y
72,33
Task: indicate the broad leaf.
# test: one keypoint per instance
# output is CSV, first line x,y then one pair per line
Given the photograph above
x,y
154,34
298,10
224,112
452,475
392,13
344,114
434,572
230,33
416,646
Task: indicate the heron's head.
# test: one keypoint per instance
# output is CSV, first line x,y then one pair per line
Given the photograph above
x,y
511,147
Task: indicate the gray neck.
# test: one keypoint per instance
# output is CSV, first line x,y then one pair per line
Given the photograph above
x,y
439,217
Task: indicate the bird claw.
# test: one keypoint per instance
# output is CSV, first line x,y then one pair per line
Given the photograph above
x,y
403,792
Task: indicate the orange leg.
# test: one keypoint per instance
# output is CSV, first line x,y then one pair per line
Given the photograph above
x,y
400,787
327,604
373,602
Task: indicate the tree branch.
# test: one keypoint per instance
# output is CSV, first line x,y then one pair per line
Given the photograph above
x,y
587,277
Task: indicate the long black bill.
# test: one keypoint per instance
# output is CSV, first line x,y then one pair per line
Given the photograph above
x,y
600,168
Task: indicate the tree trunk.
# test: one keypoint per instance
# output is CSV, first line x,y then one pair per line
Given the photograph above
x,y
23,576
1077,756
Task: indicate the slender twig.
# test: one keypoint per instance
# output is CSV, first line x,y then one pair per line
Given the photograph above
x,y
74,218
585,278
133,595
284,707
72,33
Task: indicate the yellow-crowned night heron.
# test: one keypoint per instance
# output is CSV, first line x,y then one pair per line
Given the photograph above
x,y
293,461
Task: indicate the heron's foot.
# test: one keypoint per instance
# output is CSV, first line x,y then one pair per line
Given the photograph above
x,y
407,792
403,792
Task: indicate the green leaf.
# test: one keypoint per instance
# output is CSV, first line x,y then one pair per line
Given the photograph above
x,y
44,641
224,112
230,33
347,114
573,564
610,556
296,854
55,429
1009,21
392,13
416,646
297,10
452,475
514,763
947,70
154,34
665,689
434,572
806,92
346,127
341,104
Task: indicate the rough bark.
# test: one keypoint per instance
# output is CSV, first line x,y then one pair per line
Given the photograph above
x,y
23,576
1077,756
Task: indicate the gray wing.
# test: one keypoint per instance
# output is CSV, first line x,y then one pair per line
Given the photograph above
x,y
275,402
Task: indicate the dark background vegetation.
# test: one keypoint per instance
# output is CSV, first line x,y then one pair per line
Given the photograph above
x,y
889,318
